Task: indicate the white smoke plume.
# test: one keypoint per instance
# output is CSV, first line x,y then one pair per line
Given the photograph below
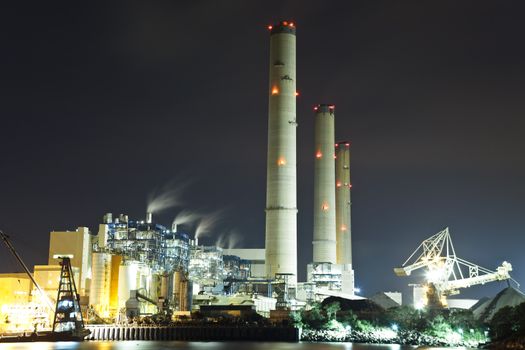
x,y
207,223
168,196
186,217
228,240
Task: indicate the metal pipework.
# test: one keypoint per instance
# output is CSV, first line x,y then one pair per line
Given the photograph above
x,y
324,186
281,186
343,216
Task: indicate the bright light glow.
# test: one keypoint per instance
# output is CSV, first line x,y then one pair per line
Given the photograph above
x,y
338,183
394,327
316,108
325,206
343,228
270,27
285,23
419,306
453,338
297,93
281,161
350,186
318,154
357,290
435,275
275,90
291,24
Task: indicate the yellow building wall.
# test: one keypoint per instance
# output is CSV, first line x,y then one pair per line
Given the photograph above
x,y
76,243
116,260
14,288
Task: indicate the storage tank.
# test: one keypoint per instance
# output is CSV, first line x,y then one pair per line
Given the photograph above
x,y
127,281
177,280
100,283
164,284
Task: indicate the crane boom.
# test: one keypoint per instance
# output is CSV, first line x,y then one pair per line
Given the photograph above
x,y
444,270
501,274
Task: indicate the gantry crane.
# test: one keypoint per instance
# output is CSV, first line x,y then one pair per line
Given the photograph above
x,y
445,272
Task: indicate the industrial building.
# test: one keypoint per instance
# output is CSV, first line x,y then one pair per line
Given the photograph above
x,y
133,268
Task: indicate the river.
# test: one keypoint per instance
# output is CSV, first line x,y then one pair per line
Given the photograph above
x,y
154,345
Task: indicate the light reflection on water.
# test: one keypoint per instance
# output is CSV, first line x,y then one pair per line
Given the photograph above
x,y
170,345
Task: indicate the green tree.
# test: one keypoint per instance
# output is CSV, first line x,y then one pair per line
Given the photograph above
x,y
332,309
504,323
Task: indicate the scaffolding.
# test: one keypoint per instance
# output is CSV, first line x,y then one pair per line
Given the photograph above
x,y
149,243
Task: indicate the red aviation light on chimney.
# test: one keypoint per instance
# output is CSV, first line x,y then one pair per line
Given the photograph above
x,y
338,184
275,90
316,108
270,27
291,24
285,23
318,154
331,106
347,144
350,186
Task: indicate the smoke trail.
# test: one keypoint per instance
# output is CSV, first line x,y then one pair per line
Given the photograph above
x,y
207,223
234,238
167,197
186,217
228,239
220,241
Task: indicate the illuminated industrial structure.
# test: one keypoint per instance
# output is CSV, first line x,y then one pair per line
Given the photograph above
x,y
331,270
135,260
343,201
281,186
324,242
446,273
343,216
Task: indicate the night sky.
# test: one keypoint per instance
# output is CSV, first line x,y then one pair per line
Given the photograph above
x,y
106,103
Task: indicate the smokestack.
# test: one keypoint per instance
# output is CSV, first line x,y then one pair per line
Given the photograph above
x,y
324,183
281,185
343,203
149,217
174,227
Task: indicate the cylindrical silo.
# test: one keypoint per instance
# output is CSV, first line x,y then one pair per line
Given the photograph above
x,y
343,203
100,283
324,242
127,281
281,177
178,278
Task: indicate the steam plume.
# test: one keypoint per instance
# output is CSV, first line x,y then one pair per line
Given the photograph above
x,y
168,196
207,223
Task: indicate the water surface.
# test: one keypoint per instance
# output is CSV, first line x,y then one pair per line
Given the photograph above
x,y
165,345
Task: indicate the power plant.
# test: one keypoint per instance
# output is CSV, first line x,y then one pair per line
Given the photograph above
x,y
132,268
281,180
136,269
